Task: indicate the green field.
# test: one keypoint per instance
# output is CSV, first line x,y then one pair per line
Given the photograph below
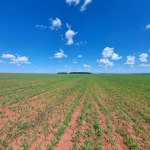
x,y
73,112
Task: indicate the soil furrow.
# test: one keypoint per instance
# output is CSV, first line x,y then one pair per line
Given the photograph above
x,y
66,141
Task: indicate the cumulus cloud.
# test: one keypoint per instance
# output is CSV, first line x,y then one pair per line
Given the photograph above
x,y
69,35
144,65
8,56
148,26
105,62
83,7
130,60
143,57
109,52
16,60
80,56
60,54
20,60
86,66
40,26
115,56
56,24
76,2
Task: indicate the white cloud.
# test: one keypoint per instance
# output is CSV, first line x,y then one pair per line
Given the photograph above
x,y
75,62
69,35
105,62
144,65
8,56
149,50
40,26
130,60
20,60
16,60
60,54
86,66
80,56
76,2
148,26
56,24
109,52
143,57
81,43
83,7
115,56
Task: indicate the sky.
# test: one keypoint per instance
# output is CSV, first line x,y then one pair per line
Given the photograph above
x,y
99,36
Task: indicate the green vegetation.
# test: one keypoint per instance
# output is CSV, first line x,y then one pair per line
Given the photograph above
x,y
93,111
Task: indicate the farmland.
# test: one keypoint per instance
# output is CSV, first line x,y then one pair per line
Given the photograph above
x,y
73,112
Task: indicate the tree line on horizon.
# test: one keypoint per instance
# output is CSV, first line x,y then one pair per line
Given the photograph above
x,y
74,73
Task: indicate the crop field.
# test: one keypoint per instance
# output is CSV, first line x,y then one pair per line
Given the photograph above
x,y
74,112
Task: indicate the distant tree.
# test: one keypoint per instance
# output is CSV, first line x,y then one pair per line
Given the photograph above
x,y
62,73
80,73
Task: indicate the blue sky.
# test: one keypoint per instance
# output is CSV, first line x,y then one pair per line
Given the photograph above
x,y
75,35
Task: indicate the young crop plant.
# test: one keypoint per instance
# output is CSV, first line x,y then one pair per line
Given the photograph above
x,y
56,124
50,147
102,107
76,136
128,140
90,132
98,129
82,116
87,144
74,148
4,101
25,145
4,143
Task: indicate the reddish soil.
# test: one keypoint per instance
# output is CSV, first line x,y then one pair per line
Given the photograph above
x,y
66,141
9,115
42,142
17,144
147,127
132,133
119,140
83,129
102,122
